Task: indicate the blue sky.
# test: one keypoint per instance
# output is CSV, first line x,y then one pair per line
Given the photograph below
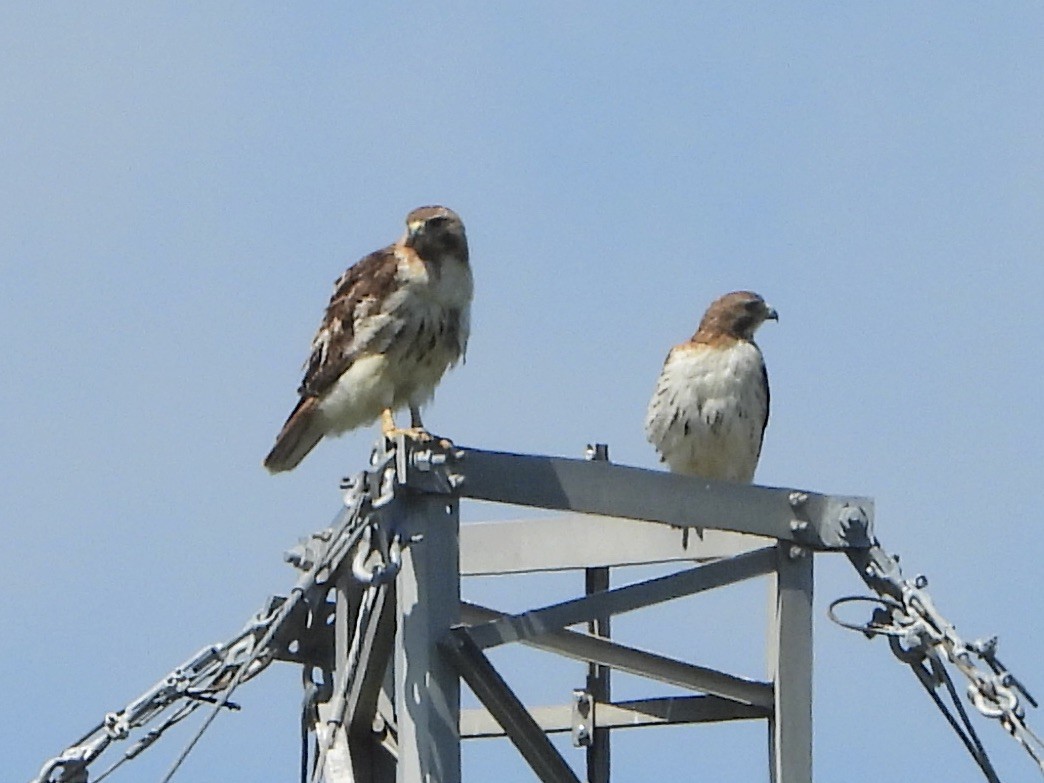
x,y
182,184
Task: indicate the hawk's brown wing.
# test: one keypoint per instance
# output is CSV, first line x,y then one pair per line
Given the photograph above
x,y
351,325
768,398
342,336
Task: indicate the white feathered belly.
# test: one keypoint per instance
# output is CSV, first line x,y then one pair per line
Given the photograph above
x,y
709,410
406,373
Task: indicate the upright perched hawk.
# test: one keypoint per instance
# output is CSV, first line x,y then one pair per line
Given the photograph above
x,y
397,319
711,404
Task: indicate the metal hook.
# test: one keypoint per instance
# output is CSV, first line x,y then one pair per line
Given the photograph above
x,y
390,556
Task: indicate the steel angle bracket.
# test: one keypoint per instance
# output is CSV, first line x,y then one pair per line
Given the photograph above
x,y
306,637
584,718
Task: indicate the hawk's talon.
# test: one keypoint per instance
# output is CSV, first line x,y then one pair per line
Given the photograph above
x,y
420,435
417,434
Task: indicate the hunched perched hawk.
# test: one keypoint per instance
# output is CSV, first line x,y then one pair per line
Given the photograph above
x,y
396,321
711,404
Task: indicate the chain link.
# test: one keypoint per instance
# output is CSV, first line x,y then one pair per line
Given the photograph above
x,y
212,674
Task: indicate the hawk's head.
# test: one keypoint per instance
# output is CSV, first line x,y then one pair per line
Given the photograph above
x,y
436,231
737,315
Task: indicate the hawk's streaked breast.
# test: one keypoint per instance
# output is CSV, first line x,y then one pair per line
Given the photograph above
x,y
708,412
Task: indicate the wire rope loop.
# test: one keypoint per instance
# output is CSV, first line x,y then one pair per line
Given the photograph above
x,y
873,627
389,556
48,769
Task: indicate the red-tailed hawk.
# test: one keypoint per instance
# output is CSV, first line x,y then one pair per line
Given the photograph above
x,y
396,321
711,404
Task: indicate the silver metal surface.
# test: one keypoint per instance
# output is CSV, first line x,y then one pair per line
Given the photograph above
x,y
427,690
550,544
377,641
384,655
922,637
391,650
583,718
790,651
560,719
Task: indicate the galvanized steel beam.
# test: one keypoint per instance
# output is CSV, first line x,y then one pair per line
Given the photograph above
x,y
790,645
475,723
597,487
427,690
572,541
598,687
378,641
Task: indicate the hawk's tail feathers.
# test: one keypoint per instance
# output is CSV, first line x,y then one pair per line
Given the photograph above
x,y
299,435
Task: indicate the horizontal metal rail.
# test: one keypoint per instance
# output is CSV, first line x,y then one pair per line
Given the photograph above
x,y
599,487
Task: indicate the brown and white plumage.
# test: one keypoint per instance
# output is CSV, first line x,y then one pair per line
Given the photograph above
x,y
396,321
708,414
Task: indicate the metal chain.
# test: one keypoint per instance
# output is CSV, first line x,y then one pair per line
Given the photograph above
x,y
188,681
214,673
380,545
341,543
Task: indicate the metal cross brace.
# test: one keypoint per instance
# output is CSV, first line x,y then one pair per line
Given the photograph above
x,y
526,734
623,599
584,647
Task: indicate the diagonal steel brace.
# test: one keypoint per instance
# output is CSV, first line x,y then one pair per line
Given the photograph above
x,y
477,671
587,648
534,623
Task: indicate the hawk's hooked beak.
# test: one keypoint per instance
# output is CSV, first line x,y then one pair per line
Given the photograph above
x,y
413,232
771,314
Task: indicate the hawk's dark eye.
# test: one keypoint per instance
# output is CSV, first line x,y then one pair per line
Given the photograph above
x,y
752,305
437,222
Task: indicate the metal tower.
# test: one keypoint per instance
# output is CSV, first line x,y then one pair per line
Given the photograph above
x,y
399,603
376,620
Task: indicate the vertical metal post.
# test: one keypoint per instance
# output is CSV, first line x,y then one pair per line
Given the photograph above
x,y
790,667
427,689
597,580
